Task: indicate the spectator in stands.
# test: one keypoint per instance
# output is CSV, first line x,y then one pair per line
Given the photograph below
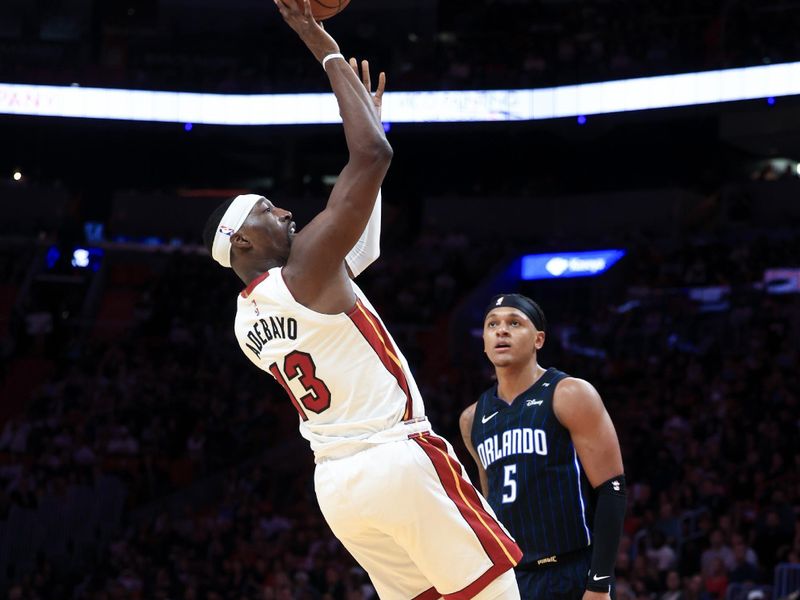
x,y
743,571
661,554
673,585
717,550
695,590
715,578
772,539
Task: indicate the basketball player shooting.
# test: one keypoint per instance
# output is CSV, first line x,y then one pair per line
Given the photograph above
x,y
545,448
391,490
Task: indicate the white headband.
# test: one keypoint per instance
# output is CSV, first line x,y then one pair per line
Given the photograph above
x,y
231,221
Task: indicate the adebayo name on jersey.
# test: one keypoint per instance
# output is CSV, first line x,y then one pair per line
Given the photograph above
x,y
522,440
267,329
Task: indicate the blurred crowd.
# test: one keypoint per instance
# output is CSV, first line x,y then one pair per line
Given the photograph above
x,y
263,539
696,359
494,44
703,390
705,398
159,406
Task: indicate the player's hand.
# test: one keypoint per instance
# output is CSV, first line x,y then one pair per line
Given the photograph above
x,y
590,595
310,31
377,97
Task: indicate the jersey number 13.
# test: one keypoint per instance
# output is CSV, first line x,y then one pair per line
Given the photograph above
x,y
299,365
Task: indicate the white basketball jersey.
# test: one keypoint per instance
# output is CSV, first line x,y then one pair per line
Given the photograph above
x,y
344,374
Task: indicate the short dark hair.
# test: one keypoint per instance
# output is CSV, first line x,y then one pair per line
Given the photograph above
x,y
210,229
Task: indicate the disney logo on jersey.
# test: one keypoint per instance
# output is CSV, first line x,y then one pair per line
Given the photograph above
x,y
534,402
265,330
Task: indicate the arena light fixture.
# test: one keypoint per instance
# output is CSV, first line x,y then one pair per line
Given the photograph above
x,y
646,93
87,257
80,258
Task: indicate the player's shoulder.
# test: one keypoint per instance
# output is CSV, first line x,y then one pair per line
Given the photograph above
x,y
576,398
574,388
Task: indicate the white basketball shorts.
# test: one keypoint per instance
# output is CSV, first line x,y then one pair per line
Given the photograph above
x,y
409,515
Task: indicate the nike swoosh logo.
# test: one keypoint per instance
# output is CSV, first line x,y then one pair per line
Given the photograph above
x,y
485,420
596,578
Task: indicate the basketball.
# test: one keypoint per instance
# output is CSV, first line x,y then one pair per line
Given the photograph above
x,y
324,9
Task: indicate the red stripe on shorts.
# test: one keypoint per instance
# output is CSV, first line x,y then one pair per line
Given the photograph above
x,y
477,586
429,594
373,331
501,549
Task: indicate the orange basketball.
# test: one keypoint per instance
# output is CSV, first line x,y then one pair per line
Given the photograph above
x,y
324,9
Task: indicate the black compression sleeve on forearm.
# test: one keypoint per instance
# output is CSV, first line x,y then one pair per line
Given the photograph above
x,y
608,520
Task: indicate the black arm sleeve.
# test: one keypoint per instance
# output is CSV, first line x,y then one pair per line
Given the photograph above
x,y
608,520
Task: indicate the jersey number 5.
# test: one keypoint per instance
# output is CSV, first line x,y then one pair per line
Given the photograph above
x,y
299,365
510,482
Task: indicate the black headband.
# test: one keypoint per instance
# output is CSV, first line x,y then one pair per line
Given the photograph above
x,y
521,303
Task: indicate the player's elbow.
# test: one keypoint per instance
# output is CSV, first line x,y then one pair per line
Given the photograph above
x,y
380,151
386,151
377,152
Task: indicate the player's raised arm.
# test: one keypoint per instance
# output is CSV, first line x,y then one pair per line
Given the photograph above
x,y
315,271
368,247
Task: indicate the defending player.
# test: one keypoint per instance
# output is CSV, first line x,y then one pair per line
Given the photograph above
x,y
537,436
391,490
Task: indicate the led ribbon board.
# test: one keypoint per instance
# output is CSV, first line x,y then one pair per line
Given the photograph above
x,y
568,264
688,89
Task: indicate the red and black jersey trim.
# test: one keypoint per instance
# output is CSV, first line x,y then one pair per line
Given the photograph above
x,y
376,336
252,285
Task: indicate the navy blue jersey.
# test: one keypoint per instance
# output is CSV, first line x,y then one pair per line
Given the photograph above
x,y
537,485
